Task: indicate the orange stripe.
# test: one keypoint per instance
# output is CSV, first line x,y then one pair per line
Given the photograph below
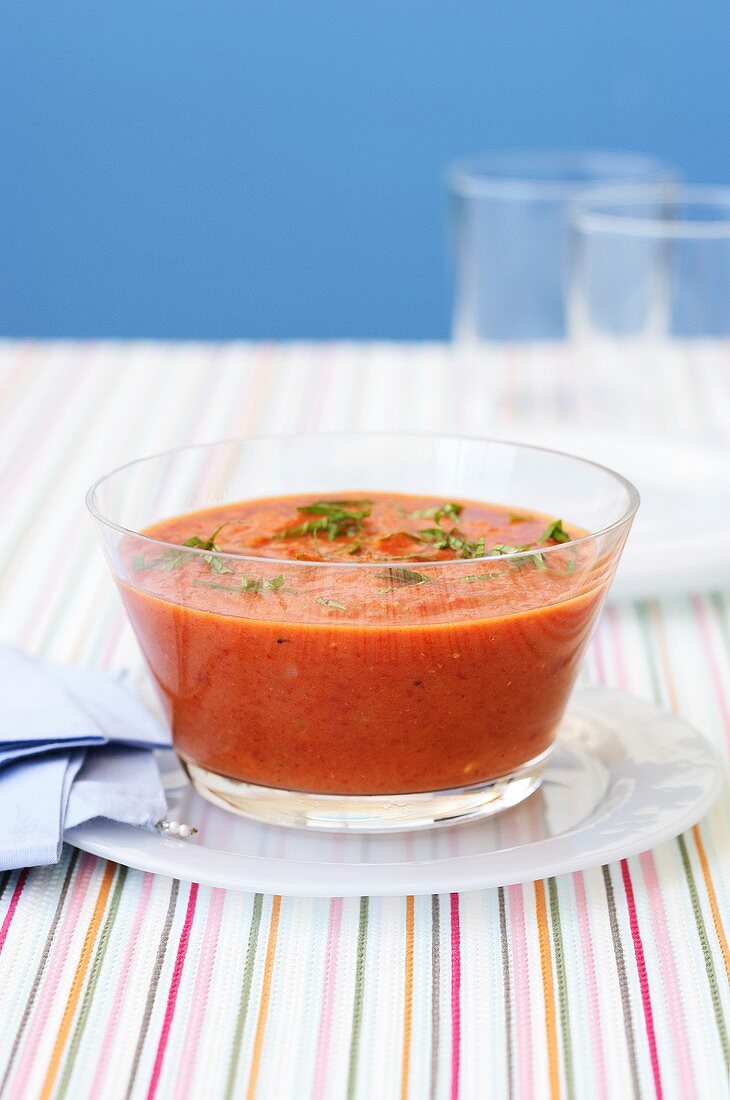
x,y
265,997
78,981
714,908
548,984
407,1001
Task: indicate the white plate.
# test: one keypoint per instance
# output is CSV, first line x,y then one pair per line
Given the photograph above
x,y
680,541
624,777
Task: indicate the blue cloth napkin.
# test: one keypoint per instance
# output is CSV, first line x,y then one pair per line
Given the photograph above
x,y
74,744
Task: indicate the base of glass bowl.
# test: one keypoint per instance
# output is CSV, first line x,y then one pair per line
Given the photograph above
x,y
368,813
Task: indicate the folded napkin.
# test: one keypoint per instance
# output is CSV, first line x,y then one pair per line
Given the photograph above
x,y
74,744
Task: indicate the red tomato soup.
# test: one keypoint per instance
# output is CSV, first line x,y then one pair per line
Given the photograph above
x,y
362,646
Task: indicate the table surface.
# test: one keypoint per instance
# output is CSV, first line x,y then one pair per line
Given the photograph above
x,y
115,983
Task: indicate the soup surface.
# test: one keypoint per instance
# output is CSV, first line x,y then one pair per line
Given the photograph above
x,y
362,645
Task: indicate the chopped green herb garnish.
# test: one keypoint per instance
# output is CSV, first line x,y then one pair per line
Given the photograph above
x,y
325,507
515,517
500,548
403,578
555,532
216,564
438,511
335,519
223,587
335,605
476,578
249,584
570,567
206,544
537,559
173,559
454,540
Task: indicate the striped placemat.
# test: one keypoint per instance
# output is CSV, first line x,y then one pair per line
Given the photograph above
x,y
113,983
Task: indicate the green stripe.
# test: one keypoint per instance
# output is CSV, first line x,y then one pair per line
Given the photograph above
x,y
92,982
562,984
706,951
642,611
253,939
717,601
357,1004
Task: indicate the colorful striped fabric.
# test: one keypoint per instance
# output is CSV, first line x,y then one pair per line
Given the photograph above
x,y
113,983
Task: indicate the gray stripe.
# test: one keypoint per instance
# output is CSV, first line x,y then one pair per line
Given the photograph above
x,y
154,979
435,991
562,982
253,939
715,995
358,998
622,979
41,967
507,986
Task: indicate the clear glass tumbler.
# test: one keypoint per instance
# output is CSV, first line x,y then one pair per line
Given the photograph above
x,y
365,696
510,217
650,263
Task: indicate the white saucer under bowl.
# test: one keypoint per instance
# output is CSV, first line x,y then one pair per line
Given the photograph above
x,y
624,777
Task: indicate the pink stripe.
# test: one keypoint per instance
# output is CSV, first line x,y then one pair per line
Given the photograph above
x,y
597,653
46,994
618,656
589,972
672,994
13,906
118,1000
182,951
332,956
643,980
455,996
521,975
699,611
201,991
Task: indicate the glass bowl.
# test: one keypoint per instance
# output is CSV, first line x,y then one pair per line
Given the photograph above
x,y
363,695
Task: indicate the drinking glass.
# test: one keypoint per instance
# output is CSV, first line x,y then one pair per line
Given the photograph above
x,y
649,263
511,241
347,695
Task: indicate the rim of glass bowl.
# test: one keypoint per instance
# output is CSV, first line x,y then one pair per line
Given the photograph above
x,y
629,513
606,210
551,174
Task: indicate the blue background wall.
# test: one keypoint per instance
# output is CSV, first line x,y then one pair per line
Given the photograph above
x,y
267,169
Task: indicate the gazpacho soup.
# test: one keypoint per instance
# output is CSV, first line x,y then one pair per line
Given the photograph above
x,y
362,642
